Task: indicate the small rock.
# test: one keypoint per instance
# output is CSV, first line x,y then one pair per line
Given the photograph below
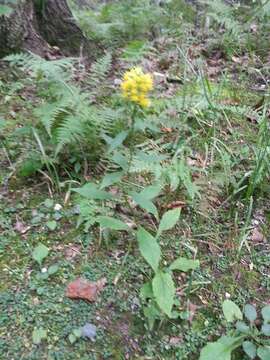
x,y
84,289
89,331
57,207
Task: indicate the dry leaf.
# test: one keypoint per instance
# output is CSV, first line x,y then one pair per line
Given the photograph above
x,y
166,129
175,340
20,227
72,251
257,236
176,204
84,289
192,308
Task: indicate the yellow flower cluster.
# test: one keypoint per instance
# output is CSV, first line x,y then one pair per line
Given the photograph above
x,y
136,85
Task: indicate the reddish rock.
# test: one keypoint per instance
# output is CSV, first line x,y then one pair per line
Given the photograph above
x,y
84,289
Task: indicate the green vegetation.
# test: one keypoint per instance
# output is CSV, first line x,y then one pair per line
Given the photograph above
x,y
169,202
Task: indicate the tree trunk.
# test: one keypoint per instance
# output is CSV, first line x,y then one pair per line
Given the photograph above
x,y
40,25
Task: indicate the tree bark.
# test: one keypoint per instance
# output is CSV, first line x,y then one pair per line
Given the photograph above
x,y
40,25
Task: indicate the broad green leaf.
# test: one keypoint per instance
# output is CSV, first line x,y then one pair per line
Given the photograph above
x,y
77,332
117,141
168,220
39,253
120,160
231,311
111,223
221,349
91,192
266,329
250,349
53,269
110,179
39,335
164,291
72,338
146,291
150,192
242,327
51,225
149,248
264,352
250,312
266,313
184,264
152,313
145,203
5,10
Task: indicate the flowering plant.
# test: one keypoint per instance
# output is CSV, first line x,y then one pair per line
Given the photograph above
x,y
136,85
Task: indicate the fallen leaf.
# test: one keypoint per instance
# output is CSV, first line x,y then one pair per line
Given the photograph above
x,y
20,227
192,308
175,340
72,251
166,129
176,204
257,236
84,289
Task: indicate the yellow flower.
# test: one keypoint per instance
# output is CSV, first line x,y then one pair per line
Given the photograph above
x,y
134,98
136,85
144,102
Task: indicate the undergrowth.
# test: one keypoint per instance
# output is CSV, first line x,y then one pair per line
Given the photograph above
x,y
168,201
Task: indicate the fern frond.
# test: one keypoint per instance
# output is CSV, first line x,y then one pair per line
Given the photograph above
x,y
37,66
70,131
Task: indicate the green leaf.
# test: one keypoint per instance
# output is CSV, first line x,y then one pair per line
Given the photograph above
x,y
134,50
111,223
77,332
242,327
110,179
168,220
120,160
51,225
117,141
145,203
266,329
221,349
264,352
53,269
150,192
184,264
72,338
39,253
90,191
5,10
164,291
250,312
146,291
231,311
250,349
39,335
152,313
266,313
149,248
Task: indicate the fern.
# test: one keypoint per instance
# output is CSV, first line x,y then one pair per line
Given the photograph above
x,y
223,14
37,66
97,79
100,69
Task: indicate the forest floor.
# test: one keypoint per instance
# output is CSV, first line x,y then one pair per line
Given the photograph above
x,y
225,227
